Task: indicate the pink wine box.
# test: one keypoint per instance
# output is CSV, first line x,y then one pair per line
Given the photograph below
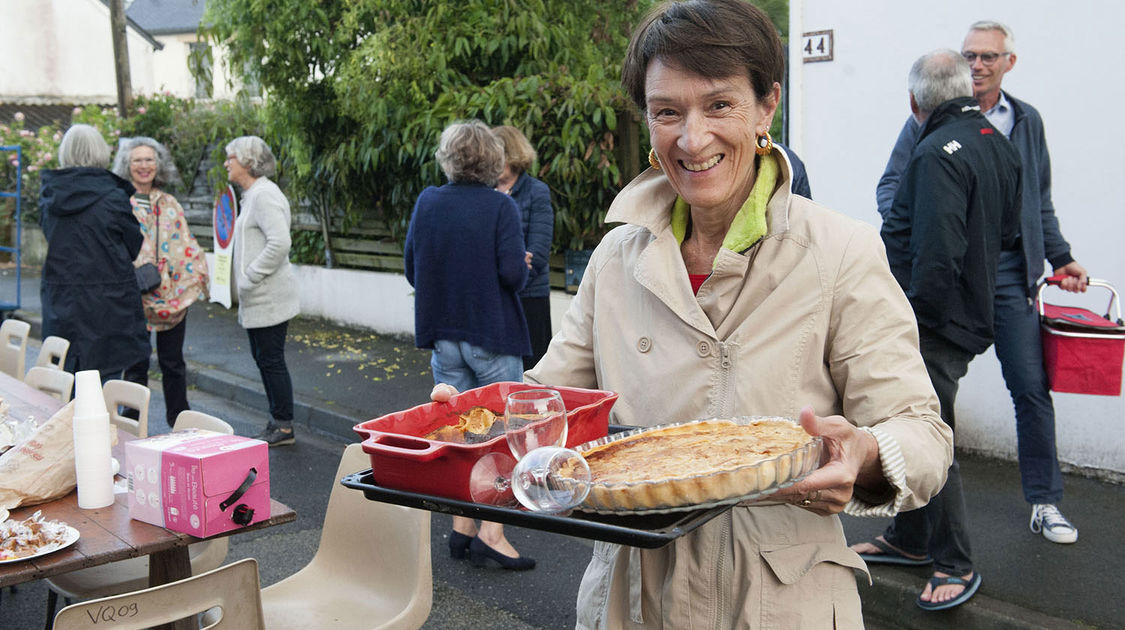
x,y
198,482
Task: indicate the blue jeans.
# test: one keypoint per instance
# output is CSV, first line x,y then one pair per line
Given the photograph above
x,y
267,345
940,527
465,366
1020,351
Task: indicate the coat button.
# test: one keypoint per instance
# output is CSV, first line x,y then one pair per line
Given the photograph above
x,y
703,348
644,344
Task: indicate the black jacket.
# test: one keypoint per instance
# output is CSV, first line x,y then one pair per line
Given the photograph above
x,y
89,290
957,206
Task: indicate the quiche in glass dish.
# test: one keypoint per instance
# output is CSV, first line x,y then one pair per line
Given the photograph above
x,y
694,465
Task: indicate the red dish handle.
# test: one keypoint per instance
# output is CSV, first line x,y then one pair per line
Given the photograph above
x,y
402,445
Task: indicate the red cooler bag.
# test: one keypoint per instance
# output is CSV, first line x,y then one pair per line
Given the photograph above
x,y
1082,351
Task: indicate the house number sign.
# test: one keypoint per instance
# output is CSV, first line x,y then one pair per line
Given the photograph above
x,y
816,46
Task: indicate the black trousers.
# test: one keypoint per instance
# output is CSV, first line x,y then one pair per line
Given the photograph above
x,y
940,528
267,346
173,370
537,310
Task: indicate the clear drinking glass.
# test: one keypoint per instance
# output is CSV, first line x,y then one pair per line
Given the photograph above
x,y
535,427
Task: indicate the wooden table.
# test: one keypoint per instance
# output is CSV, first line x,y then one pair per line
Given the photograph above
x,y
106,534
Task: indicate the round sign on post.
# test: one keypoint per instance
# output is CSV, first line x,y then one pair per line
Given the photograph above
x,y
223,218
226,211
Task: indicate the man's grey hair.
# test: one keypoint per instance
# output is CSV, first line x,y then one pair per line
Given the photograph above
x,y
992,25
254,155
939,76
469,153
83,145
166,172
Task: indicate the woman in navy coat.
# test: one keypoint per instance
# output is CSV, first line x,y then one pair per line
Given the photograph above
x,y
89,291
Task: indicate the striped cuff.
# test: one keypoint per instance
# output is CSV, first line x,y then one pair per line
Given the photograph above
x,y
894,469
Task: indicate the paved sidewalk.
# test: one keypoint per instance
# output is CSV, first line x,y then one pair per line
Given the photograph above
x,y
342,376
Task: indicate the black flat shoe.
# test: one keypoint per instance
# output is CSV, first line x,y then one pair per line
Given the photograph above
x,y
459,545
479,552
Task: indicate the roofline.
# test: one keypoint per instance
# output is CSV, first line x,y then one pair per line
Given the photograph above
x,y
140,31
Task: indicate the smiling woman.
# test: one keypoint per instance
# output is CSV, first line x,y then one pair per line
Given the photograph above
x,y
725,295
170,245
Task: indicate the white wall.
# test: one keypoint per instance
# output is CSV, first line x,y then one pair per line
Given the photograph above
x,y
171,72
850,110
62,51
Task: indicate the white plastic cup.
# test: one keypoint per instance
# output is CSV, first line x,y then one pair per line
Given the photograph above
x,y
93,465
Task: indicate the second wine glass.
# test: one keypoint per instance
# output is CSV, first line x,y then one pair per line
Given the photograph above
x,y
534,418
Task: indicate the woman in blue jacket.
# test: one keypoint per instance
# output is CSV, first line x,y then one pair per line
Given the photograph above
x,y
465,258
538,220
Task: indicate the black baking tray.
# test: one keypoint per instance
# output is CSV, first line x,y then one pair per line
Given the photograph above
x,y
648,531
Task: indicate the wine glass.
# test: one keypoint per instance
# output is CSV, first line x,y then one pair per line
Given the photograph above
x,y
534,421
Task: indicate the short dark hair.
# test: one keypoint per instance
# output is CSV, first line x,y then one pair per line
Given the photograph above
x,y
710,38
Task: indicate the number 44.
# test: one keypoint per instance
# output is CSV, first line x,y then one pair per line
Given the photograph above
x,y
817,46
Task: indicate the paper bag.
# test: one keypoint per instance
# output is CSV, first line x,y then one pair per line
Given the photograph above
x,y
42,467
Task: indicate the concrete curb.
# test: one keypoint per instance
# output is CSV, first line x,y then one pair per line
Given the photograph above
x,y
312,415
890,600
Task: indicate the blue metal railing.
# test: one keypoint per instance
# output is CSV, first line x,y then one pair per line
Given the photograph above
x,y
6,306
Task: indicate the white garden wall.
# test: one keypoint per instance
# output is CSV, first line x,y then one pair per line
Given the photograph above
x,y
847,112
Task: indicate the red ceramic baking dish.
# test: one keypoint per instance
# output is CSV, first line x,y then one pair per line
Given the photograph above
x,y
402,459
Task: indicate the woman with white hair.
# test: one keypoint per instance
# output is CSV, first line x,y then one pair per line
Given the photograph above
x,y
88,290
464,256
170,245
267,290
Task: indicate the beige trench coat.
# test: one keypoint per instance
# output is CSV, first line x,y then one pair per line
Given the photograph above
x,y
809,316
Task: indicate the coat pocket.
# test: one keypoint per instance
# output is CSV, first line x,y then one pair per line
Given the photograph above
x,y
593,592
810,585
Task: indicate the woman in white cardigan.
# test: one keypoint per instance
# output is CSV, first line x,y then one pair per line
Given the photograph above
x,y
267,290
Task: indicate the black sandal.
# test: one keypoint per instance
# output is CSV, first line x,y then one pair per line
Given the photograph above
x,y
890,555
971,586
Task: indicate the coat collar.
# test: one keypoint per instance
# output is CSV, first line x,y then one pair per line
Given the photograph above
x,y
647,201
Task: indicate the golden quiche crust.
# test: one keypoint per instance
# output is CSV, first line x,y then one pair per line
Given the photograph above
x,y
696,463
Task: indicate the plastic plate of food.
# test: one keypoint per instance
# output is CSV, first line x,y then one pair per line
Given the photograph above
x,y
33,537
695,465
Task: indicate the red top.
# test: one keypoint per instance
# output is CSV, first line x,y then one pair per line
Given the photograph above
x,y
697,280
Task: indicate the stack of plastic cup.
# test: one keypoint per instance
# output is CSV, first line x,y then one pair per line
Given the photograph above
x,y
92,445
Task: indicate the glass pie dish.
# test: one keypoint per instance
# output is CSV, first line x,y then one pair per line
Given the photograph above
x,y
707,471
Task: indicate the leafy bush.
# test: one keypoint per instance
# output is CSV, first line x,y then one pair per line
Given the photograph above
x,y
359,92
187,127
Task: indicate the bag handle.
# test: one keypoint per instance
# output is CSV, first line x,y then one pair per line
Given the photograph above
x,y
242,514
1114,301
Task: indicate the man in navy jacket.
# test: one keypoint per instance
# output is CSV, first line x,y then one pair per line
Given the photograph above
x,y
956,208
989,49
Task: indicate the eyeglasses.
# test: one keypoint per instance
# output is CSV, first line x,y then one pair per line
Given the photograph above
x,y
987,58
143,161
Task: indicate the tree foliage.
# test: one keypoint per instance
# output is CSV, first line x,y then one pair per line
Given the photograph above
x,y
358,93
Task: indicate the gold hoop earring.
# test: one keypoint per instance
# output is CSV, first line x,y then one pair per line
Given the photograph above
x,y
652,159
765,144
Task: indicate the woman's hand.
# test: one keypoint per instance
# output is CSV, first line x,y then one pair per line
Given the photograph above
x,y
442,392
851,457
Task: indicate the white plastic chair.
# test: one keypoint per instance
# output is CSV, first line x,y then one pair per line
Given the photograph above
x,y
54,382
13,347
371,570
235,589
119,393
52,354
191,419
132,574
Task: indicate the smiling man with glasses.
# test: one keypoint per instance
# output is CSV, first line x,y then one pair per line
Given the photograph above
x,y
989,49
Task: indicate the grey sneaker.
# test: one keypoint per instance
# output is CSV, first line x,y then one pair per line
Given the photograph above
x,y
276,437
1046,518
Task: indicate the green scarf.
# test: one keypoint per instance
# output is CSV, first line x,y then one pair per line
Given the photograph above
x,y
749,224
